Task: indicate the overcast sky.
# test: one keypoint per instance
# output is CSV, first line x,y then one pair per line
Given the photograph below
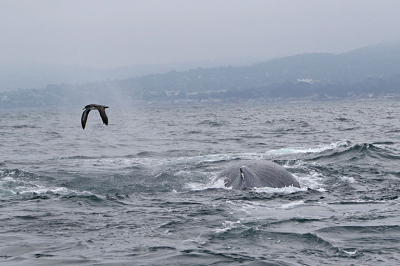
x,y
106,34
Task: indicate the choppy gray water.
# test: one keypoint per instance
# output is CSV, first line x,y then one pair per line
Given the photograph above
x,y
140,191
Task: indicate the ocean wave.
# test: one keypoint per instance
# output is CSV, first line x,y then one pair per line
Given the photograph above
x,y
358,151
19,182
317,149
16,186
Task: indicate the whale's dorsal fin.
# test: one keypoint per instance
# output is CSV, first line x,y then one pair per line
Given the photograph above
x,y
241,173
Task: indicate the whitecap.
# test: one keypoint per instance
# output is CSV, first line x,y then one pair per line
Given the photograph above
x,y
317,149
292,205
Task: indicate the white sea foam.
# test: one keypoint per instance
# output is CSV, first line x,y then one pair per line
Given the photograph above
x,y
201,186
320,148
349,253
283,190
11,185
348,179
226,226
312,180
292,205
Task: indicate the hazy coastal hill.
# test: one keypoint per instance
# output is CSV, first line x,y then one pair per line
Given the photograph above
x,y
368,62
36,76
367,72
380,61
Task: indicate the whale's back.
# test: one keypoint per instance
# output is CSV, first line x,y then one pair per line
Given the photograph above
x,y
248,174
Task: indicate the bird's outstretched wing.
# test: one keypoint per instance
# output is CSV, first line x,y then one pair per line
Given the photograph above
x,y
84,117
103,115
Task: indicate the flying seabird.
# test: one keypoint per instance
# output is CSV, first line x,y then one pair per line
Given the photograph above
x,y
88,108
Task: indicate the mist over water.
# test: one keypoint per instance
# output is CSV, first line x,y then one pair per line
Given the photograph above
x,y
140,191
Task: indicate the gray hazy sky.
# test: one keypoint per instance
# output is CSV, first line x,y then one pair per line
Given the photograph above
x,y
111,33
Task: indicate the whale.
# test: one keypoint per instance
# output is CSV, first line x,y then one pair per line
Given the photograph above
x,y
249,174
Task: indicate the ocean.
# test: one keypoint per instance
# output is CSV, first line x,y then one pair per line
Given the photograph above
x,y
141,190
